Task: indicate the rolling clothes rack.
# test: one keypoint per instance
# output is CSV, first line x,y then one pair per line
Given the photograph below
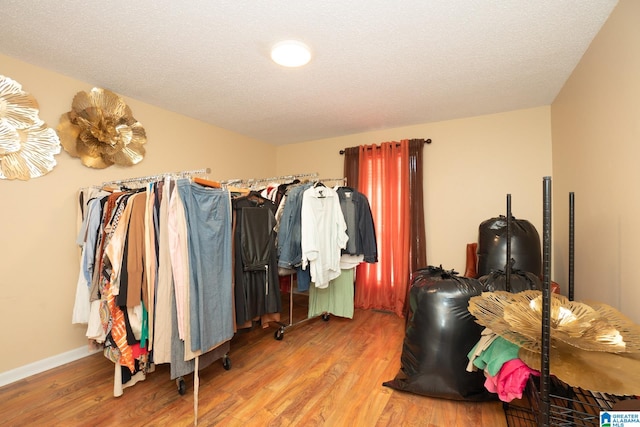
x,y
283,327
256,184
279,333
252,182
218,351
158,177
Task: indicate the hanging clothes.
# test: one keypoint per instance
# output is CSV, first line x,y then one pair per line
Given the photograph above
x,y
152,228
90,201
208,213
256,282
338,298
162,318
143,251
133,280
117,347
335,299
323,234
290,235
360,227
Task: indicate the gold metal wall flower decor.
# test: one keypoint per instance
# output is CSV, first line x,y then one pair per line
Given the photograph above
x,y
101,130
27,145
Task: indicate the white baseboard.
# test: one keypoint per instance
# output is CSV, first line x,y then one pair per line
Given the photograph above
x,y
44,365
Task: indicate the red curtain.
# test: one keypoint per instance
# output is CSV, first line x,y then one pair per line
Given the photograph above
x,y
384,179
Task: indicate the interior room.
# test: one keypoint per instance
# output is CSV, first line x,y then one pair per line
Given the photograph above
x,y
507,93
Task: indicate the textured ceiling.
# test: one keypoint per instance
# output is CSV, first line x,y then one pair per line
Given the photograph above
x,y
376,64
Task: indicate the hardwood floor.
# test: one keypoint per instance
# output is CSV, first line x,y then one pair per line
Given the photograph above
x,y
322,373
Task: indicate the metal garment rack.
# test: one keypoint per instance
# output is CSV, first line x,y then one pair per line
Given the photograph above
x,y
282,327
224,348
158,177
252,182
279,333
342,180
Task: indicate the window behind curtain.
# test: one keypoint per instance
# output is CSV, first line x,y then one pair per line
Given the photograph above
x,y
390,176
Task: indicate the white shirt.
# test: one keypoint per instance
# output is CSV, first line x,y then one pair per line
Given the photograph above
x,y
324,234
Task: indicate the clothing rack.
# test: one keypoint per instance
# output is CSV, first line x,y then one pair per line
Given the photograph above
x,y
253,181
219,352
157,177
341,180
279,333
258,184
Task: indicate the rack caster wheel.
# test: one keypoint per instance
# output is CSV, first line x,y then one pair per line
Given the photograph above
x,y
325,317
226,363
182,387
279,334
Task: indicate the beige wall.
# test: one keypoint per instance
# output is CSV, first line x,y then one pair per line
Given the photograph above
x,y
38,256
470,167
596,154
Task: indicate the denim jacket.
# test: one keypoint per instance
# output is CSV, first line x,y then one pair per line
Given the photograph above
x,y
360,227
290,231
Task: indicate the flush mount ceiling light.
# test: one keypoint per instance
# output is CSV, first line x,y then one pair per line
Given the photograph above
x,y
290,53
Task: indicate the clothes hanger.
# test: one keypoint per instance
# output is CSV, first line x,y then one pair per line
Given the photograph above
x,y
238,191
206,182
110,188
319,185
256,197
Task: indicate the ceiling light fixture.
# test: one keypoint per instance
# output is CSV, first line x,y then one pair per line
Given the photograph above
x,y
290,53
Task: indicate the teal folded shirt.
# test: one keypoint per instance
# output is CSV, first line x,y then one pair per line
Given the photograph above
x,y
492,359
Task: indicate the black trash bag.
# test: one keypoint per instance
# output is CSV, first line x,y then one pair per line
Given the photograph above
x,y
518,281
492,246
440,332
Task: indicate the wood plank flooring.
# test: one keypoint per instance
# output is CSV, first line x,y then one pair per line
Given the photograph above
x,y
322,373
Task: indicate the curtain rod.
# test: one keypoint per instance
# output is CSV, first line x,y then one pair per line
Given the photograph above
x,y
426,141
157,177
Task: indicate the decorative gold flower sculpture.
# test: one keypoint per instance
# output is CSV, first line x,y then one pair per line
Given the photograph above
x,y
598,371
27,145
101,130
518,318
593,346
